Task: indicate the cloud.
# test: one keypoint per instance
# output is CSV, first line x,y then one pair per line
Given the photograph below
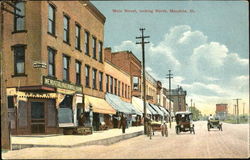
x,y
206,69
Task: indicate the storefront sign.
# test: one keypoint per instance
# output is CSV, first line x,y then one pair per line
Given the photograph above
x,y
60,84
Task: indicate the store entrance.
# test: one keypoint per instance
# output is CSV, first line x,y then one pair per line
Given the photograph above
x,y
37,117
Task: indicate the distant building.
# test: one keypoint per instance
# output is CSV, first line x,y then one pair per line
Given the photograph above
x,y
221,110
178,96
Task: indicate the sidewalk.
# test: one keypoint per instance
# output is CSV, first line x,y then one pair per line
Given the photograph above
x,y
97,138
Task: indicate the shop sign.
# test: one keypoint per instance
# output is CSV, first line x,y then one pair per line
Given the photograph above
x,y
59,84
65,91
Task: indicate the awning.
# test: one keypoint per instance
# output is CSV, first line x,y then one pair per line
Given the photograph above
x,y
130,105
164,110
119,105
156,109
138,103
99,105
151,109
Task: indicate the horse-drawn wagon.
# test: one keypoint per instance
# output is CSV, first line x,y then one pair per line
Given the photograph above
x,y
153,126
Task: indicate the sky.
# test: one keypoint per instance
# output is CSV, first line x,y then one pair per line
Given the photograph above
x,y
205,44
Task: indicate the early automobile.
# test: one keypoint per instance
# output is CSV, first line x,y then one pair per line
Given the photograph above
x,y
184,122
153,126
214,123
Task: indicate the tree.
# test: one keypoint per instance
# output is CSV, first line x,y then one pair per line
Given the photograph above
x,y
196,113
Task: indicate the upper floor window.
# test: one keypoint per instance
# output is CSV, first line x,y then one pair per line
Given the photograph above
x,y
122,89
19,59
119,85
111,85
128,91
100,51
115,86
87,68
94,78
86,43
66,29
125,91
136,83
107,83
78,72
19,16
100,80
51,20
51,62
94,47
78,37
66,68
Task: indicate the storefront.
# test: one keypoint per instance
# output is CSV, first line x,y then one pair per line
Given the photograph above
x,y
44,109
98,113
160,114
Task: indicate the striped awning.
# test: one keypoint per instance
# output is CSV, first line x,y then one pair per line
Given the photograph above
x,y
99,105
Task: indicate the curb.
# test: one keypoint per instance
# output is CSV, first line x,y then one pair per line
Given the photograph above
x,y
105,141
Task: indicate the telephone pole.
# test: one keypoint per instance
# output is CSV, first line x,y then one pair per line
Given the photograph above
x,y
237,110
5,7
169,76
142,37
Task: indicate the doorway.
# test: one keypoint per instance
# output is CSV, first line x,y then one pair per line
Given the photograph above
x,y
37,117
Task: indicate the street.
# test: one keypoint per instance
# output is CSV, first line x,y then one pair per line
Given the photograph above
x,y
232,142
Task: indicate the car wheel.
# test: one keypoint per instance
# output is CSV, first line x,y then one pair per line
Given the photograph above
x,y
208,127
177,130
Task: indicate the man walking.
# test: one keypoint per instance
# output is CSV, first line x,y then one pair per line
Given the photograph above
x,y
123,123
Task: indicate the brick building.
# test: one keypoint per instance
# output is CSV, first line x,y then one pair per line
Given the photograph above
x,y
221,110
56,58
178,97
129,63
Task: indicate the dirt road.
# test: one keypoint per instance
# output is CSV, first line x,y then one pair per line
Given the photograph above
x,y
232,142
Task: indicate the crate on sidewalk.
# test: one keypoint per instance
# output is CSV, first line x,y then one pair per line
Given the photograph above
x,y
83,131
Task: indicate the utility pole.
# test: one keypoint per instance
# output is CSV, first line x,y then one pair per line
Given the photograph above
x,y
8,7
169,76
142,37
237,110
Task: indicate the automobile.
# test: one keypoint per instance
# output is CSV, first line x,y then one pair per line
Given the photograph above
x,y
184,122
214,123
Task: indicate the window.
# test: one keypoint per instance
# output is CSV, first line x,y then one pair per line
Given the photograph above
x,y
86,42
136,83
111,85
107,83
94,78
87,76
100,51
19,17
115,86
11,102
94,47
51,20
19,59
100,81
51,62
78,72
125,91
122,89
65,68
66,29
128,91
119,85
78,37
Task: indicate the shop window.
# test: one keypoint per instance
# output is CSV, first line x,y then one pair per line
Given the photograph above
x,y
10,101
22,114
19,19
51,20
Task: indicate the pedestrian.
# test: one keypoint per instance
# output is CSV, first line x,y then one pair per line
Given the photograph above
x,y
123,123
